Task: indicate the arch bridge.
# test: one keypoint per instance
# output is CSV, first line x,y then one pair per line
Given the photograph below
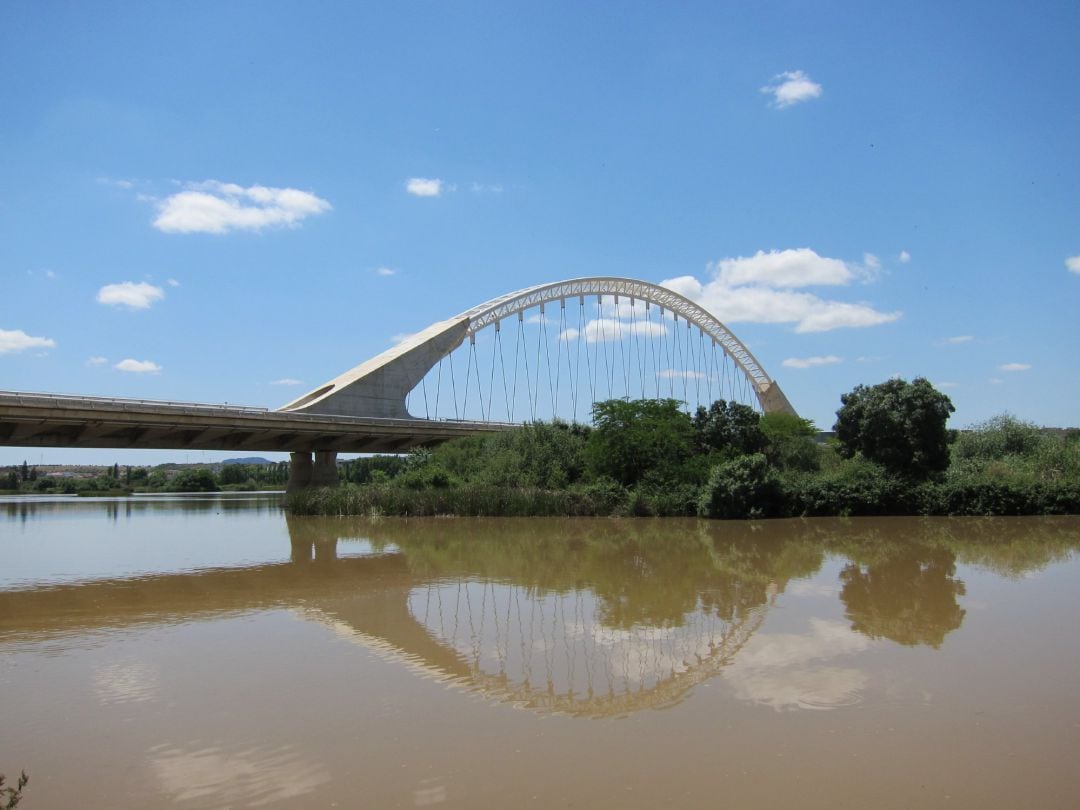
x,y
544,352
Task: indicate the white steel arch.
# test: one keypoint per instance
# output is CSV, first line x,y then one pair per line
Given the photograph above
x,y
379,386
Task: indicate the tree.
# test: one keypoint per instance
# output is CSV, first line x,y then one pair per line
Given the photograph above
x,y
195,480
790,442
634,438
730,428
25,472
897,424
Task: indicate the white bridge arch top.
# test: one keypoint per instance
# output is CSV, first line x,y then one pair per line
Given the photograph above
x,y
379,386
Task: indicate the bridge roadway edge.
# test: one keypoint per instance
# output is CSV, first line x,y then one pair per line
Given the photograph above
x,y
49,420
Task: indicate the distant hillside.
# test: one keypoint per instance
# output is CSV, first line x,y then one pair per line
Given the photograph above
x,y
248,460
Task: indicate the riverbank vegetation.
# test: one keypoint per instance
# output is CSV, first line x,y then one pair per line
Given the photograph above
x,y
892,455
117,480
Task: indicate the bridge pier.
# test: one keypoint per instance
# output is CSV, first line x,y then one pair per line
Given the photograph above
x,y
300,469
303,473
325,473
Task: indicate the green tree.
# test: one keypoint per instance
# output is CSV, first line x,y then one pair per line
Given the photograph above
x,y
790,442
729,428
200,480
898,424
25,472
632,439
235,473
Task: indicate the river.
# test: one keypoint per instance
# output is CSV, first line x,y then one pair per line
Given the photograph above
x,y
211,651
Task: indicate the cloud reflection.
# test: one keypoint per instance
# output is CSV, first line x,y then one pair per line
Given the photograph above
x,y
254,777
778,669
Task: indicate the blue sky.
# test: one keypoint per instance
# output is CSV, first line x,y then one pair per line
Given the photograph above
x,y
201,200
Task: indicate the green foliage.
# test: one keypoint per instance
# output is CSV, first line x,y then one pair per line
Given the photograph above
x,y
547,455
234,474
466,500
897,424
745,487
632,438
199,480
1005,448
790,442
854,488
371,469
728,428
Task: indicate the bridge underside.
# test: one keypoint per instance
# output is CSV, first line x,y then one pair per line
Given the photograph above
x,y
45,420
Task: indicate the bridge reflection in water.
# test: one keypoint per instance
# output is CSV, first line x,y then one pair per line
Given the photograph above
x,y
582,617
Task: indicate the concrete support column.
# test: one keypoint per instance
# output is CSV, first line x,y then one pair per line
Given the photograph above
x,y
300,471
325,473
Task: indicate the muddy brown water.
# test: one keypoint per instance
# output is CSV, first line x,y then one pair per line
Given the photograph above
x,y
211,651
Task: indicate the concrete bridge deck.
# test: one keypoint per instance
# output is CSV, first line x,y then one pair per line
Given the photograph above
x,y
53,420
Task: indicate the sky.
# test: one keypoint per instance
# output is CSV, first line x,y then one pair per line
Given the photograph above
x,y
235,202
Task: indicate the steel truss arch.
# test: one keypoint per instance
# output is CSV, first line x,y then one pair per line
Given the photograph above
x,y
379,386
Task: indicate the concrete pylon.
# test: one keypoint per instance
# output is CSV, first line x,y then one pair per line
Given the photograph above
x,y
325,472
300,471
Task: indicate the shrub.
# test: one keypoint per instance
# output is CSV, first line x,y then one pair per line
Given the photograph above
x,y
745,487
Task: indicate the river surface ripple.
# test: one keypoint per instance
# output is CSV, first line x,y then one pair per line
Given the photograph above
x,y
211,651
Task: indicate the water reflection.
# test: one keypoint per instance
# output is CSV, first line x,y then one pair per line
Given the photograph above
x,y
909,599
583,617
21,508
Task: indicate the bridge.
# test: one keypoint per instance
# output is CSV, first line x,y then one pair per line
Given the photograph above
x,y
567,345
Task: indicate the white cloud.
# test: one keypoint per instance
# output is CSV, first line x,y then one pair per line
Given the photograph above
x,y
1015,366
16,340
215,207
791,87
50,275
480,188
996,381
287,381
96,360
138,366
172,282
904,257
958,339
1073,263
600,330
811,362
385,271
673,373
570,333
424,186
130,295
794,267
758,304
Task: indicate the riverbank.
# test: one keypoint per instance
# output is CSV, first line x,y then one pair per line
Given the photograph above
x,y
811,498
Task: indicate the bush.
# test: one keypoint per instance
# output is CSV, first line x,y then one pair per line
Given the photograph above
x,y
856,488
744,487
467,500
